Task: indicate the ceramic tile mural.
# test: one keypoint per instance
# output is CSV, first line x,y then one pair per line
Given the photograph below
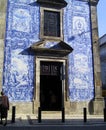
x,y
80,64
22,30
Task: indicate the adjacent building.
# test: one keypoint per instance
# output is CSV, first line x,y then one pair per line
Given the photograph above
x,y
102,44
49,55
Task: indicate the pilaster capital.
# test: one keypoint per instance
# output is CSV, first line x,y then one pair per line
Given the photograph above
x,y
93,2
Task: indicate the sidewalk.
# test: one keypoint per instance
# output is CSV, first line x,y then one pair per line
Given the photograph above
x,y
55,119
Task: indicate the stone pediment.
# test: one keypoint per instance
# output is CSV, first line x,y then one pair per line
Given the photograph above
x,y
58,3
61,48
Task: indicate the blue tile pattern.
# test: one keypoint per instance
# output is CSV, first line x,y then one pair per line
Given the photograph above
x,y
22,30
77,34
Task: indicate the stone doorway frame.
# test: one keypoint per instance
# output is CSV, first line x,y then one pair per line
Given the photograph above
x,y
38,59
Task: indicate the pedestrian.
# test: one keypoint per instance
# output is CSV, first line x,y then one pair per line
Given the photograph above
x,y
4,107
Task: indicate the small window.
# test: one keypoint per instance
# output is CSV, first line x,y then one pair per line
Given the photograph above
x,y
51,24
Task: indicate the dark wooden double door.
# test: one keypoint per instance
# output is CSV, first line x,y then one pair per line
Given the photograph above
x,y
51,89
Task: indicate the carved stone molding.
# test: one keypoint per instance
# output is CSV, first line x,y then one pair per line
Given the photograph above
x,y
58,3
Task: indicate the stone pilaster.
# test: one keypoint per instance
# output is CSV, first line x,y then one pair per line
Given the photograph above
x,y
98,101
3,4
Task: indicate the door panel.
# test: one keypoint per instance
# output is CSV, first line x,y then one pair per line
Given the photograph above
x,y
50,86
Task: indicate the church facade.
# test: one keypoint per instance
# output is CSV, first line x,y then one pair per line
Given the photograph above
x,y
49,55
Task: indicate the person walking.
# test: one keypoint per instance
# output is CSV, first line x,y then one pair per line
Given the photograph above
x,y
4,107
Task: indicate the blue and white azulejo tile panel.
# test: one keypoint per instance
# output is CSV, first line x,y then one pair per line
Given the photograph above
x,y
78,35
23,29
